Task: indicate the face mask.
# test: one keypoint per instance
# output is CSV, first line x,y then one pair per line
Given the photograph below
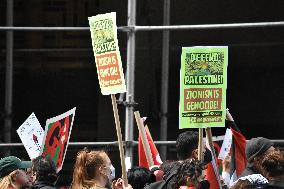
x,y
112,173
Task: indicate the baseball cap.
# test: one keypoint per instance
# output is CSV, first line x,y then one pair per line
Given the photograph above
x,y
12,163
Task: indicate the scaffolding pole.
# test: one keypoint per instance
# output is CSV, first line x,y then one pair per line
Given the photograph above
x,y
165,79
211,26
277,142
9,75
132,28
130,78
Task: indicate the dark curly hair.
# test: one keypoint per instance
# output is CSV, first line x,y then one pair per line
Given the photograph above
x,y
167,167
45,169
273,164
139,177
188,168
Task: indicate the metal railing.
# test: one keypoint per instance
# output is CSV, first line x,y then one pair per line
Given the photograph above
x,y
152,28
277,142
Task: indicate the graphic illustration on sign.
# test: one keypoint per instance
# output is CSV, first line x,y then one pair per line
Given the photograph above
x,y
106,51
57,134
27,132
203,83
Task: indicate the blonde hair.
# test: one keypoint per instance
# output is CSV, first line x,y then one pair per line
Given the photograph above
x,y
7,181
87,163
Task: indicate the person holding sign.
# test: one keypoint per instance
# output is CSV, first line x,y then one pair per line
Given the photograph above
x,y
109,68
186,145
93,170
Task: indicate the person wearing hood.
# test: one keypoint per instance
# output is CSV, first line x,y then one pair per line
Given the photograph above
x,y
44,174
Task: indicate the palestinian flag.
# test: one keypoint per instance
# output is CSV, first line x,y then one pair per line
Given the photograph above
x,y
213,169
238,156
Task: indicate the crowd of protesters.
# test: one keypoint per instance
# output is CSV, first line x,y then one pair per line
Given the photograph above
x,y
94,170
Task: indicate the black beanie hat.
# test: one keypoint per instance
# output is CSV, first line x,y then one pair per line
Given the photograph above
x,y
256,147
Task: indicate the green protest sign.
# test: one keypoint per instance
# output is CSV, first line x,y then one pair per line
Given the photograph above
x,y
106,51
203,83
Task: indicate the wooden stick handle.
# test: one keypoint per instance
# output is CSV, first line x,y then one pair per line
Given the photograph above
x,y
119,139
210,141
200,144
145,142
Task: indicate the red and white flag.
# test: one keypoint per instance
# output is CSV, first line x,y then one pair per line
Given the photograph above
x,y
141,152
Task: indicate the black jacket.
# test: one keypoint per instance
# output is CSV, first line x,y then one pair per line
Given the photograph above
x,y
275,185
43,185
167,182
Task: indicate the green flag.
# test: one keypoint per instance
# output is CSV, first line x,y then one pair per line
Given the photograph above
x,y
203,83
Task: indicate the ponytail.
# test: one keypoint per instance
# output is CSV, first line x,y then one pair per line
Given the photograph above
x,y
85,168
79,169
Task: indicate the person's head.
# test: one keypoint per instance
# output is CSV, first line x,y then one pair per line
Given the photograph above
x,y
92,168
273,165
190,174
187,144
12,172
256,149
16,179
139,177
44,170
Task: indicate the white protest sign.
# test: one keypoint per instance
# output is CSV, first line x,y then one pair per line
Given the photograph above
x,y
31,135
226,146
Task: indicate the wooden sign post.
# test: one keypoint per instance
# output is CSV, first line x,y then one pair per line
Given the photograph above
x,y
214,159
119,139
200,144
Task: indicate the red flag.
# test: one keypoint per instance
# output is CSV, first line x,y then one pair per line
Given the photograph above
x,y
210,172
155,154
238,155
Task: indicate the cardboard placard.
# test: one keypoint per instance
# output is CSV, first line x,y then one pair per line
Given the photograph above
x,y
31,135
56,139
106,51
203,84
